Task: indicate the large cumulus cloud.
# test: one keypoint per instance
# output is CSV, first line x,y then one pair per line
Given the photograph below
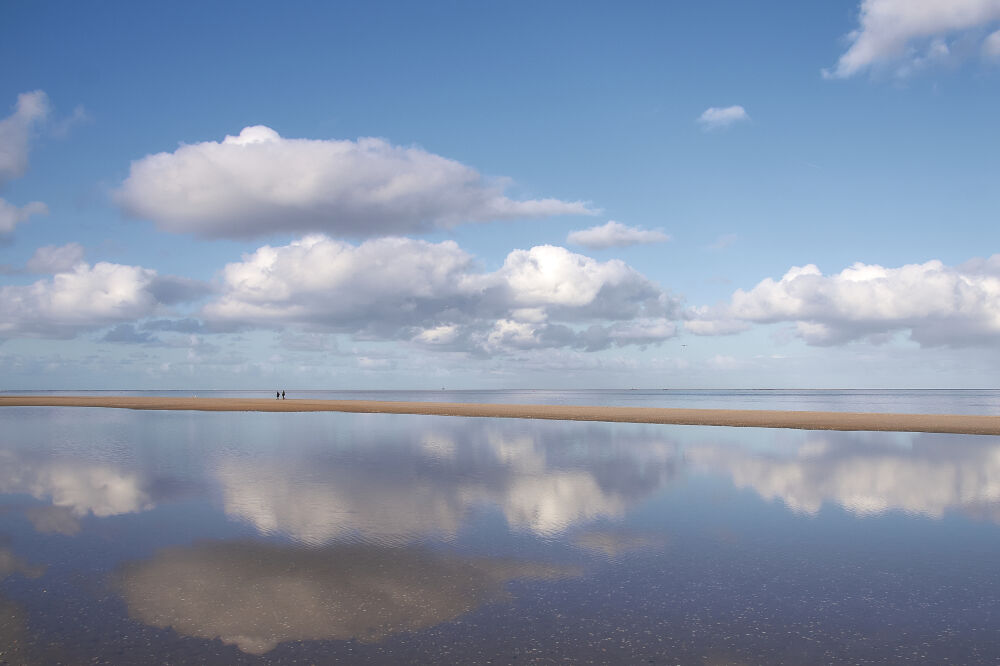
x,y
937,304
88,297
434,294
259,183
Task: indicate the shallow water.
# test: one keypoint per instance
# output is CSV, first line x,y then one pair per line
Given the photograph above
x,y
149,537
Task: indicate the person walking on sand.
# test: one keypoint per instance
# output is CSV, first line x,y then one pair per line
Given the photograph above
x,y
277,395
282,394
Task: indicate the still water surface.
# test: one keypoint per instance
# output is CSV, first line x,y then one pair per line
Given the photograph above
x,y
182,537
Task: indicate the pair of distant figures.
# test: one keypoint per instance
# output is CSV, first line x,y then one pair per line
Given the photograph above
x,y
279,395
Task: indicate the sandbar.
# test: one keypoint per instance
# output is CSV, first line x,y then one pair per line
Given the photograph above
x,y
745,418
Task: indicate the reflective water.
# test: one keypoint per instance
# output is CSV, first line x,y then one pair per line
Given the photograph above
x,y
903,401
181,537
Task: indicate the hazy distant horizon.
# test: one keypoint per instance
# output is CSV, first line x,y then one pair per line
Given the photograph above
x,y
912,401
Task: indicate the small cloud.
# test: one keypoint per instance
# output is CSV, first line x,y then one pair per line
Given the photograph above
x,y
11,215
715,118
16,131
615,234
724,241
991,46
51,259
62,127
439,335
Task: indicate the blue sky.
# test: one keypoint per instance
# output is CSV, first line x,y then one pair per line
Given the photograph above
x,y
780,195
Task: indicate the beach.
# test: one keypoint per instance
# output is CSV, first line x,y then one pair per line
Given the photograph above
x,y
801,420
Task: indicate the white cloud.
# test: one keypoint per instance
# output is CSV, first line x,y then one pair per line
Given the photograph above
x,y
11,215
615,234
259,183
55,258
720,118
62,127
433,294
323,280
88,297
909,32
937,304
991,46
705,320
16,131
549,275
439,335
642,331
701,325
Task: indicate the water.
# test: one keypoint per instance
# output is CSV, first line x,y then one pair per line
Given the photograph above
x,y
187,537
902,401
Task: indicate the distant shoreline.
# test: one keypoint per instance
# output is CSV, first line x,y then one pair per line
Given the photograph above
x,y
745,418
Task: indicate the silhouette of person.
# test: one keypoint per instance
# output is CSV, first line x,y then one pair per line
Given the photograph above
x,y
282,395
277,395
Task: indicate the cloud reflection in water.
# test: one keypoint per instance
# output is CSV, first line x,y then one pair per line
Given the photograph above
x,y
81,487
402,491
865,473
256,595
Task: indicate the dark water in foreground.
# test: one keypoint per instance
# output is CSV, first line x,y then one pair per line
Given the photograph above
x,y
180,537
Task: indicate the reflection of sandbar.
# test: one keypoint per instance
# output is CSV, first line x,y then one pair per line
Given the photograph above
x,y
945,423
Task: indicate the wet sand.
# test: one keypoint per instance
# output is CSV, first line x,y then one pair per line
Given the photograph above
x,y
940,423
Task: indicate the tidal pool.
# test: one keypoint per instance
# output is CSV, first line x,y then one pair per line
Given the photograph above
x,y
182,537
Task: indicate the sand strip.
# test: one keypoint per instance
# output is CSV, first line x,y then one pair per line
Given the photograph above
x,y
943,423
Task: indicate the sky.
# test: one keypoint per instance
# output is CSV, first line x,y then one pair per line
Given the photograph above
x,y
399,195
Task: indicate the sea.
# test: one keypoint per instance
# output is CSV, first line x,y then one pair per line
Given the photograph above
x,y
141,537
